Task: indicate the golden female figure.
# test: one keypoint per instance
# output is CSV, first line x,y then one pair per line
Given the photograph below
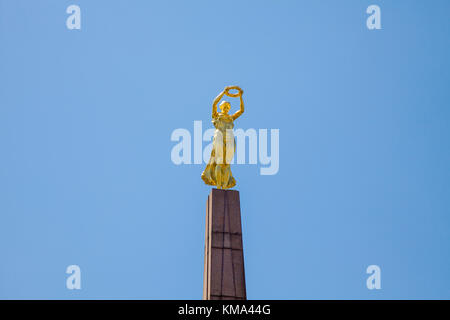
x,y
218,172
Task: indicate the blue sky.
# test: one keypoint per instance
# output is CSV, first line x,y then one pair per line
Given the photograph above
x,y
86,176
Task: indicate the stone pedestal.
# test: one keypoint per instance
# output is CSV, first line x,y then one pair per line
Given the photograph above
x,y
224,277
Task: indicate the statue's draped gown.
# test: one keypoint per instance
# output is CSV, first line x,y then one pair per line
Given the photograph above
x,y
222,151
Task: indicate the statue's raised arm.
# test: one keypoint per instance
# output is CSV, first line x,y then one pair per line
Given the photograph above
x,y
216,101
238,113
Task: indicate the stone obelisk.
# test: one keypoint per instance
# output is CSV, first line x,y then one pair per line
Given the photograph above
x,y
224,276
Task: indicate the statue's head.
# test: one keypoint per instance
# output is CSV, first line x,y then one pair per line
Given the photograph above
x,y
225,106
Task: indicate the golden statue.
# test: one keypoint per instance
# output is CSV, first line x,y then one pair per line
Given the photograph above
x,y
218,172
